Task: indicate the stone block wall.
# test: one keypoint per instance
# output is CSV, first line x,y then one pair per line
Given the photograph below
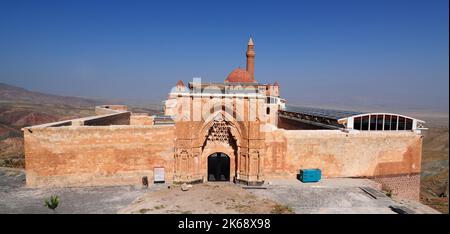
x,y
110,109
343,154
141,119
402,186
94,155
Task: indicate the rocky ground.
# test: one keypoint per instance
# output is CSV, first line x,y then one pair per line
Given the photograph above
x,y
208,198
329,196
15,198
278,197
337,196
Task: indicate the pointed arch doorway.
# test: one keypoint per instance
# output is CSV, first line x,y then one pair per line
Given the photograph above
x,y
220,149
218,167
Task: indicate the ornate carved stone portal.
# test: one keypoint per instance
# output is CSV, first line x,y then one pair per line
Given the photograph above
x,y
239,106
219,132
198,140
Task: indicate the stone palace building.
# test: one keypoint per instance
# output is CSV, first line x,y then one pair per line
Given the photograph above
x,y
239,130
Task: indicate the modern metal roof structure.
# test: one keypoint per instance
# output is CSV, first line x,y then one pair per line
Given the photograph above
x,y
320,112
381,121
341,119
320,117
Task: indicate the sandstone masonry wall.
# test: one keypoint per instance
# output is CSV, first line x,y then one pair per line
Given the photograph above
x,y
403,186
342,154
110,109
93,155
141,119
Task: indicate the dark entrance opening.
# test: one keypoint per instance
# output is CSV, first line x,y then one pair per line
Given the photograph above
x,y
218,167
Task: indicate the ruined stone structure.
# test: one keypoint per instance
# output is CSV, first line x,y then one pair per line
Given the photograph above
x,y
238,130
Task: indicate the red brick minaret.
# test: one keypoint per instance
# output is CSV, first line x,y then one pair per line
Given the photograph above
x,y
251,59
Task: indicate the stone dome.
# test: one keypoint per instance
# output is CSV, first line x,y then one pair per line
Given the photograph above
x,y
239,75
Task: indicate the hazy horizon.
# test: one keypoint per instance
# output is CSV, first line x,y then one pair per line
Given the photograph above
x,y
371,54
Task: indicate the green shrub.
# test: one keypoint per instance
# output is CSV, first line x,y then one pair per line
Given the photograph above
x,y
52,202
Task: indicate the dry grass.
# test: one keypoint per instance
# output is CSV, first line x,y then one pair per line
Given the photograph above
x,y
282,209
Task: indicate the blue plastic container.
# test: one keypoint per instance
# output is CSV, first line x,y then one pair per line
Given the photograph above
x,y
310,175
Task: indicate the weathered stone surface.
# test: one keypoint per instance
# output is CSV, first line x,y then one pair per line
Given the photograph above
x,y
140,119
341,154
66,156
393,158
107,155
185,187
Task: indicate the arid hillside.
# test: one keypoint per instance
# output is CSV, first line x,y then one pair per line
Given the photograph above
x,y
20,107
16,94
435,162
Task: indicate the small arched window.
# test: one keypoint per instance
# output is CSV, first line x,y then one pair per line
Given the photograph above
x,y
268,110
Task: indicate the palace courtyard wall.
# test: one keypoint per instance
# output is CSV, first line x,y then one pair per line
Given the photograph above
x,y
391,158
123,154
96,155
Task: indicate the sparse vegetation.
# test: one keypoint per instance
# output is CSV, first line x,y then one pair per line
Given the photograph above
x,y
389,193
13,162
144,210
52,203
282,209
241,207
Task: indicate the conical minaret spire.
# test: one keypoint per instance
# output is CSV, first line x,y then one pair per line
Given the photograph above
x,y
251,58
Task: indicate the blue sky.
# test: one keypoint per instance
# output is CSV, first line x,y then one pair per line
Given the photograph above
x,y
385,53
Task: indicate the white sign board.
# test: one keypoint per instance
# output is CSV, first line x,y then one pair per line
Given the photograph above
x,y
158,175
